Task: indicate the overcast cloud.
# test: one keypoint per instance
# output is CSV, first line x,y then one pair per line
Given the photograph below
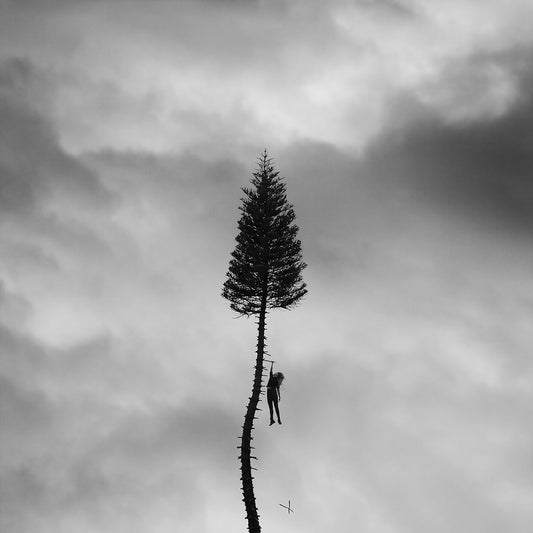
x,y
405,132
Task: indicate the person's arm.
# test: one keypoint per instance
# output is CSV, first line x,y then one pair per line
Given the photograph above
x,y
271,367
279,394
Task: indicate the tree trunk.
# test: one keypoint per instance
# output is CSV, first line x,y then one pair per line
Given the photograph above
x,y
252,515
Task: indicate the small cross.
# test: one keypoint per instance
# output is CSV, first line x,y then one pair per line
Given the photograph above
x,y
289,510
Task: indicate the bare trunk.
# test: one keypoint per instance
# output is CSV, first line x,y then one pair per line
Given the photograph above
x,y
252,515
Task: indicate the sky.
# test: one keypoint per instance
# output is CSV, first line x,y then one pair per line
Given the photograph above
x,y
404,131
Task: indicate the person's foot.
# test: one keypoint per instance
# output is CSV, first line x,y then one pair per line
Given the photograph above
x,y
279,421
271,422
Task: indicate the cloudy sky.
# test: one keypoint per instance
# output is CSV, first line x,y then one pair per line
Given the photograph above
x,y
405,132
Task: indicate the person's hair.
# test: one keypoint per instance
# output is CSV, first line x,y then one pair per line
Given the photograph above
x,y
279,377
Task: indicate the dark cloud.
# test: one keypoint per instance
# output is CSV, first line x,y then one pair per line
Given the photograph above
x,y
479,169
34,169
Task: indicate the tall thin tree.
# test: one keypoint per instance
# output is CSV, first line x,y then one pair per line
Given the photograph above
x,y
265,272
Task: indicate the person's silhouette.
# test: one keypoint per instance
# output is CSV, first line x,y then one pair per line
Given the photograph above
x,y
273,394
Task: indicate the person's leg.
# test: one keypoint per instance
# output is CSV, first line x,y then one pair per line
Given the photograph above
x,y
277,410
270,401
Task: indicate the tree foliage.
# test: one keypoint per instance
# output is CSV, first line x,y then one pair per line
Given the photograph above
x,y
267,260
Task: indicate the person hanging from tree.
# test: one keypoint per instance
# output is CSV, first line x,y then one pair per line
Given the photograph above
x,y
273,395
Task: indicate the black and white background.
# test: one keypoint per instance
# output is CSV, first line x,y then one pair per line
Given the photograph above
x,y
405,132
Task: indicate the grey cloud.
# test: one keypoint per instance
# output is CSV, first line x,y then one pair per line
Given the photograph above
x,y
194,191
475,173
213,32
24,411
390,7
33,166
146,459
385,451
171,176
331,197
478,169
69,450
14,309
